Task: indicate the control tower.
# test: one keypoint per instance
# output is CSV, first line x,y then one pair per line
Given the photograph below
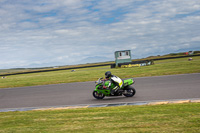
x,y
122,57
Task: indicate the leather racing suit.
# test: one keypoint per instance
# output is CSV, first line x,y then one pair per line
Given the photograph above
x,y
117,81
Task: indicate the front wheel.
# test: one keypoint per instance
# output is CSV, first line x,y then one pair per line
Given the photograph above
x,y
98,95
130,91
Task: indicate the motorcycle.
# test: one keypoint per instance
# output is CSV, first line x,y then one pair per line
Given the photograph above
x,y
101,90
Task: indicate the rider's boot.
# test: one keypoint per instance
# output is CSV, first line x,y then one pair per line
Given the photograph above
x,y
112,92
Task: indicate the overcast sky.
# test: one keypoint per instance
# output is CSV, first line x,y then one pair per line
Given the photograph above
x,y
62,32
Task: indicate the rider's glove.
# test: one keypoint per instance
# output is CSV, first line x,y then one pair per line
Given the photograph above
x,y
104,87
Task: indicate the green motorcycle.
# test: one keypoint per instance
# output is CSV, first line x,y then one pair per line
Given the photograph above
x,y
102,89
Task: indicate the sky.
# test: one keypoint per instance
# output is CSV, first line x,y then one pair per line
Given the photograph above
x,y
43,33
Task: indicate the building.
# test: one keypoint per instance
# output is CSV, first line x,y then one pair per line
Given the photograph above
x,y
123,56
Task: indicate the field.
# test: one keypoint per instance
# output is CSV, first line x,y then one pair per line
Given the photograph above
x,y
144,118
155,118
162,67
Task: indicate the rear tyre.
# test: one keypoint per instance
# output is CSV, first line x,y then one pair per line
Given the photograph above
x,y
130,91
98,95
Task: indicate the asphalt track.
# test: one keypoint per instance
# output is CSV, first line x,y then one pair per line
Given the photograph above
x,y
182,86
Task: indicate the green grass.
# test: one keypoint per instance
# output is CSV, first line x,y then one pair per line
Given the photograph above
x,y
156,118
163,67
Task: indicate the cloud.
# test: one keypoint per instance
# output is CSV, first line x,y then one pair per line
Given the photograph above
x,y
57,32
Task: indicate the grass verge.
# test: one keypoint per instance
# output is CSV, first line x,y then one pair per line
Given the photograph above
x,y
145,118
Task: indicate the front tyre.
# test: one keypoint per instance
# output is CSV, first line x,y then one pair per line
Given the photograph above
x,y
130,91
98,95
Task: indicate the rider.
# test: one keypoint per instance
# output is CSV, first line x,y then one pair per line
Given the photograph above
x,y
113,79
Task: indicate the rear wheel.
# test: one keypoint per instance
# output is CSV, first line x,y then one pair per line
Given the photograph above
x,y
98,95
130,91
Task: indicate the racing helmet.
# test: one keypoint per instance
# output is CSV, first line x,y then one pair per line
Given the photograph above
x,y
108,74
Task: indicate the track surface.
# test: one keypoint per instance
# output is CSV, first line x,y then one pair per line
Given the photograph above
x,y
182,86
